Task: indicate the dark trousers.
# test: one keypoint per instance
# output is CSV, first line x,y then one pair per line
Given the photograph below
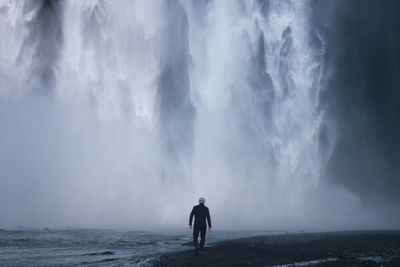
x,y
202,231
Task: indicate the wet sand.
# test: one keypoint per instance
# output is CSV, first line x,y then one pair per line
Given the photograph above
x,y
348,248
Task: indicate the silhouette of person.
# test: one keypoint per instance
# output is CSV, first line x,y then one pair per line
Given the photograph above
x,y
201,214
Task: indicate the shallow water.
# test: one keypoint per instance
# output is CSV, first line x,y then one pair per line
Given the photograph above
x,y
96,247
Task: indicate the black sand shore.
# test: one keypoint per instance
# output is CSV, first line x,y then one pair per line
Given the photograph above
x,y
349,248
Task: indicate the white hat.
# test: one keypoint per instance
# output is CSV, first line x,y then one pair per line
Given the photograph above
x,y
202,200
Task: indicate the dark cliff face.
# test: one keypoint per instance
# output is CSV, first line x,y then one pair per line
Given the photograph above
x,y
43,42
362,95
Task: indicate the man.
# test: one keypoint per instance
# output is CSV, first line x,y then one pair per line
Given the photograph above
x,y
200,213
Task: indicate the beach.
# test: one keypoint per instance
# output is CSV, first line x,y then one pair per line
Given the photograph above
x,y
346,248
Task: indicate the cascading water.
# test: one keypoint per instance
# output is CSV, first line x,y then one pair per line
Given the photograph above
x,y
122,113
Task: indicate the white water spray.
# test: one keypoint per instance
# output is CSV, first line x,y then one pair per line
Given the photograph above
x,y
123,113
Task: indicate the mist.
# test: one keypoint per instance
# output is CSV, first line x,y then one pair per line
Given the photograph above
x,y
284,115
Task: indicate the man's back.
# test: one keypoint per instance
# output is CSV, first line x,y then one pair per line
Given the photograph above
x,y
201,214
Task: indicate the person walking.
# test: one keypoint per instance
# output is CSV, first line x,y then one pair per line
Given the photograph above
x,y
201,214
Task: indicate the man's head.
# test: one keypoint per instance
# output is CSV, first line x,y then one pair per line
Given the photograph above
x,y
202,200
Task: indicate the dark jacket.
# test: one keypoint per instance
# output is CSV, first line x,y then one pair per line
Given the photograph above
x,y
200,213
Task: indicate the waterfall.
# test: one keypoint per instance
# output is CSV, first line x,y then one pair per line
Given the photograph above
x,y
129,111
